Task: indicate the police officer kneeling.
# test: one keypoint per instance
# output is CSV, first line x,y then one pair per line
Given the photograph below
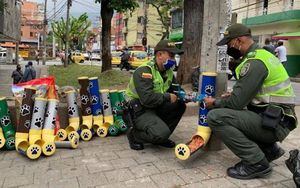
x,y
156,108
260,109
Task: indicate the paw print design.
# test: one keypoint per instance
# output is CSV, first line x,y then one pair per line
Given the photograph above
x,y
56,107
84,99
85,135
98,112
105,105
91,85
25,110
49,148
202,105
36,109
47,114
24,95
123,125
114,110
71,110
88,110
181,151
118,104
94,99
60,134
209,89
5,121
39,122
101,131
76,141
203,119
11,143
72,135
75,103
27,124
34,150
53,121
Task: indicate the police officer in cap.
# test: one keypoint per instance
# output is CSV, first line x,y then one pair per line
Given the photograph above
x,y
258,112
151,93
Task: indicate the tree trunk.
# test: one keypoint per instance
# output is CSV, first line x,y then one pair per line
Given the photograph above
x,y
192,39
106,15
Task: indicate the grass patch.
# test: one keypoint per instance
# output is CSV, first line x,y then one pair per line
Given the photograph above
x,y
112,79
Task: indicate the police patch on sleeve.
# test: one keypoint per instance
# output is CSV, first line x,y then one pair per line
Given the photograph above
x,y
245,69
146,75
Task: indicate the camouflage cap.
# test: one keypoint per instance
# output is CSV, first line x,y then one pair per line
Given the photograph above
x,y
166,45
234,31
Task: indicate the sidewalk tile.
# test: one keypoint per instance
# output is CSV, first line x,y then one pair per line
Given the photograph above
x,y
118,175
168,165
192,175
219,182
143,170
65,183
13,181
168,179
89,180
100,167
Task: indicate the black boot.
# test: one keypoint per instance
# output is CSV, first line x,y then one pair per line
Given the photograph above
x,y
168,144
243,170
273,152
293,164
132,142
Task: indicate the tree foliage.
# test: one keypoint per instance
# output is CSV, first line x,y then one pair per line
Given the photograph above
x,y
107,10
78,29
163,8
2,6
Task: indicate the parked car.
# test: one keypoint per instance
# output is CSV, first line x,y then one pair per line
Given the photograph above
x,y
77,57
137,58
115,58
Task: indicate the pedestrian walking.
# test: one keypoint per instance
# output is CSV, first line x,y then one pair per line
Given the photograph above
x,y
268,46
29,73
280,52
17,74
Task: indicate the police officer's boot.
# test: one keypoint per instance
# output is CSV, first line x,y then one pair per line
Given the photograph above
x,y
273,152
132,142
168,144
293,164
244,170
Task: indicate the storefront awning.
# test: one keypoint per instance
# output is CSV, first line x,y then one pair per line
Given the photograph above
x,y
287,36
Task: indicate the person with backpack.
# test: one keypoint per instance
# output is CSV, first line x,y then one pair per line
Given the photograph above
x,y
29,73
17,75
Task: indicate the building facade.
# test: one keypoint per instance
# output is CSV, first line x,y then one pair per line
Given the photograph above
x,y
144,22
274,19
32,22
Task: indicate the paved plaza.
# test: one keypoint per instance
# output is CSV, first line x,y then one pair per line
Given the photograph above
x,y
109,162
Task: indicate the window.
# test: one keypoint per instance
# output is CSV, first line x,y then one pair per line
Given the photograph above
x,y
21,33
177,19
265,7
31,34
292,3
125,22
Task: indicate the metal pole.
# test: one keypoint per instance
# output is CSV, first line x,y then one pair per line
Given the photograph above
x,y
44,33
67,34
53,40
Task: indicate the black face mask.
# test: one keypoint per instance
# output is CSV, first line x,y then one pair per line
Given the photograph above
x,y
233,52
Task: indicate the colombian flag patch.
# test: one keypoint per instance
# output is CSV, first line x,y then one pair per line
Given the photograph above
x,y
147,75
